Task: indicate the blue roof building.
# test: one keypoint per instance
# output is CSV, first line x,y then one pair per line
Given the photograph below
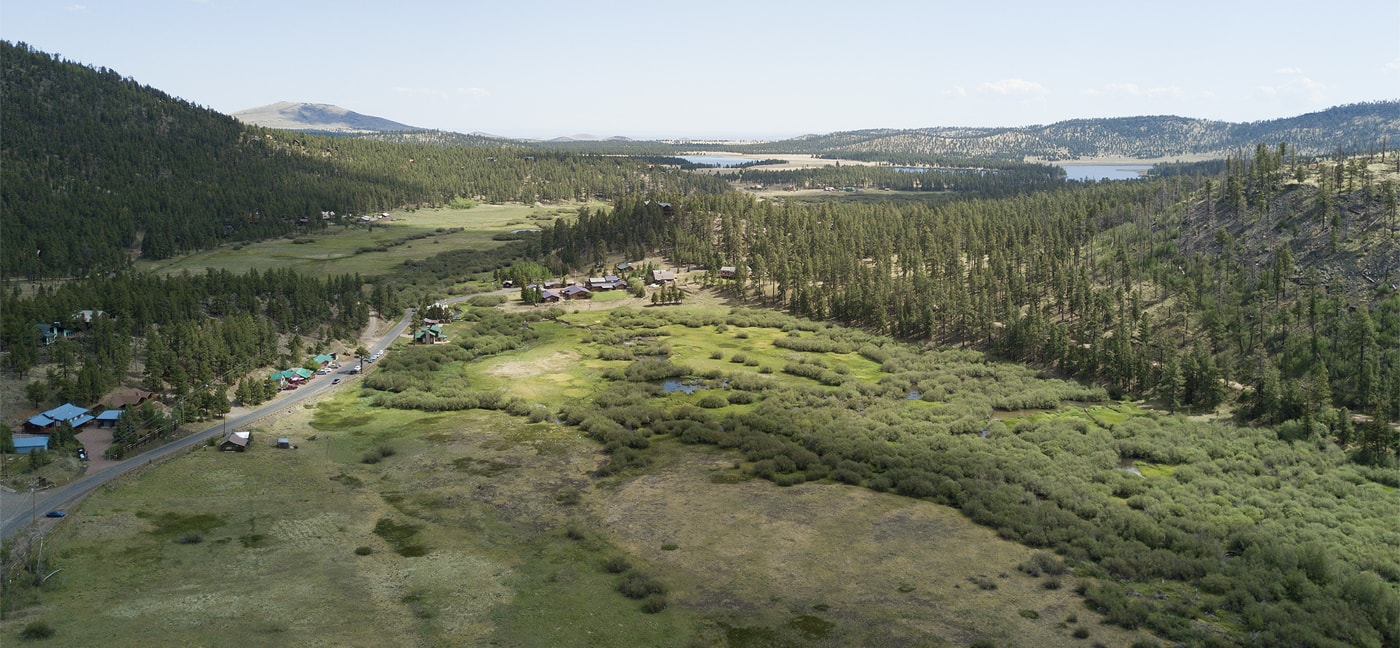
x,y
27,443
76,417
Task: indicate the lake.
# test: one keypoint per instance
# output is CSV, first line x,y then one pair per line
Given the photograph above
x,y
716,160
1086,172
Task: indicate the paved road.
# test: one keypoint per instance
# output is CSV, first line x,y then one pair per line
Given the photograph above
x,y
17,510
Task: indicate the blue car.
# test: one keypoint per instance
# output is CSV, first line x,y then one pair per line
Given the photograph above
x,y
55,514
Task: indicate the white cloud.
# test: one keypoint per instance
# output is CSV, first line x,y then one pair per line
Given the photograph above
x,y
1014,87
955,91
1134,90
1295,84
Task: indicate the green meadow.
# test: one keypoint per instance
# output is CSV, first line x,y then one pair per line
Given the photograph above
x,y
375,248
500,526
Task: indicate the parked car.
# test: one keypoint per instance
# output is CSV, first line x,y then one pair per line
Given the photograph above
x,y
55,514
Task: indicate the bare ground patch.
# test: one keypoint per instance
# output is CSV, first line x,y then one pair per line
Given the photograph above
x,y
885,569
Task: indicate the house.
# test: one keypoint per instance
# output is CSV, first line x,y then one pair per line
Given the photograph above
x,y
428,335
324,359
607,282
549,296
27,443
663,276
127,397
727,272
87,316
51,333
553,285
623,267
300,374
236,441
109,418
76,417
576,292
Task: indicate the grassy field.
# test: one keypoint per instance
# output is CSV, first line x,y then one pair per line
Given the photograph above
x,y
400,527
409,235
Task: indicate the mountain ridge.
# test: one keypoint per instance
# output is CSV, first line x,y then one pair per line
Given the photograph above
x,y
320,118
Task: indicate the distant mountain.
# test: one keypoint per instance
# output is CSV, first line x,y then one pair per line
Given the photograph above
x,y
318,118
1355,127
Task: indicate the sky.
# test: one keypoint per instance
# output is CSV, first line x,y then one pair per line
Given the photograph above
x,y
747,69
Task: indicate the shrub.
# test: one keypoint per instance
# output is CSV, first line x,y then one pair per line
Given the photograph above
x,y
36,630
654,603
712,401
716,355
190,538
616,565
637,585
1081,633
363,550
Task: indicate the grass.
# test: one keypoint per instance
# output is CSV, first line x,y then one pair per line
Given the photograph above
x,y
461,536
346,249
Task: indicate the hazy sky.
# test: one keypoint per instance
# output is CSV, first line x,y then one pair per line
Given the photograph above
x,y
745,69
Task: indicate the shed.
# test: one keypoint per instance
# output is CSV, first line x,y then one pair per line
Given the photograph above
x,y
27,443
237,441
284,443
109,418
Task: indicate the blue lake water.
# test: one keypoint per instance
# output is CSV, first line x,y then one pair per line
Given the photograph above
x,y
1084,172
716,160
680,386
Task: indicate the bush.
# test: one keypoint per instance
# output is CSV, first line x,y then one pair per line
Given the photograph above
x,y
654,603
616,565
713,401
363,550
36,630
190,538
636,585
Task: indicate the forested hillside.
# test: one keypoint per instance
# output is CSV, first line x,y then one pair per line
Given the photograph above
x,y
1357,127
1170,288
97,168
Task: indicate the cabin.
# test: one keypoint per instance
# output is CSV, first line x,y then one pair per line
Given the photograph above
x,y
51,333
728,272
549,296
127,397
576,292
236,441
428,335
663,276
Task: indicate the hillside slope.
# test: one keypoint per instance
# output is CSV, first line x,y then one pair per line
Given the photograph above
x,y
317,118
1351,127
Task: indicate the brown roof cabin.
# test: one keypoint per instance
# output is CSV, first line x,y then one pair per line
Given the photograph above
x,y
727,272
236,441
576,292
663,276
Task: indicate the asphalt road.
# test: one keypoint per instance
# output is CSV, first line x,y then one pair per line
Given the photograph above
x,y
18,510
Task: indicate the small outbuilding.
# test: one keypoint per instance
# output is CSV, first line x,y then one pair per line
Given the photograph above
x,y
236,441
27,443
284,443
